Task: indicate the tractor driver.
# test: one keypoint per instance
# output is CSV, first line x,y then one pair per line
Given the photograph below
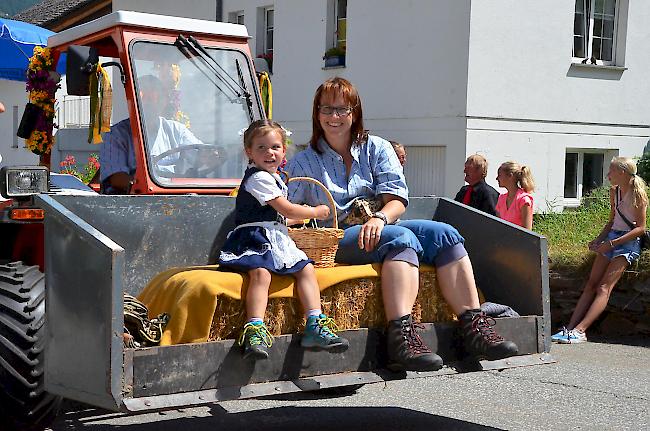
x,y
117,155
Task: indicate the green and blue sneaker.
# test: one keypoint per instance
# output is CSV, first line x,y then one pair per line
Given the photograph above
x,y
561,335
319,334
256,340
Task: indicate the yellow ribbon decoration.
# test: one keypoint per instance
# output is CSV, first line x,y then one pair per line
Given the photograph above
x,y
266,91
101,104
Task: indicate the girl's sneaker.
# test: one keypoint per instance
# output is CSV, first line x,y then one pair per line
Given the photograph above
x,y
572,336
319,334
256,340
576,336
561,335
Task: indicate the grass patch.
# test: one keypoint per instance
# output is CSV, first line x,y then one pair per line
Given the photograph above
x,y
569,232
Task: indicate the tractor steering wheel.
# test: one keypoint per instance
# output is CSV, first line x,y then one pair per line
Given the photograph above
x,y
182,166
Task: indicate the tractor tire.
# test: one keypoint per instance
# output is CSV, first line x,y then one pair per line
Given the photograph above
x,y
24,404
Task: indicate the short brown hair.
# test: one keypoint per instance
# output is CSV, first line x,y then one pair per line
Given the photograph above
x,y
330,89
478,161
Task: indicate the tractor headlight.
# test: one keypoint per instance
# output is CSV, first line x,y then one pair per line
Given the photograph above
x,y
23,181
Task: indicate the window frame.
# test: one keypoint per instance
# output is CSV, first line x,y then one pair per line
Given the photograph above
x,y
234,17
335,35
588,26
332,33
574,202
267,29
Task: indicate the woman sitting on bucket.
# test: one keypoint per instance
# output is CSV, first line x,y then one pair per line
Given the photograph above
x,y
353,164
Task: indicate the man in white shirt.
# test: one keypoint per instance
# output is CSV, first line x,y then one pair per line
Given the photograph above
x,y
117,156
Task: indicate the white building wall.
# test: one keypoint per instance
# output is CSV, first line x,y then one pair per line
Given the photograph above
x,y
520,66
456,77
12,148
199,9
408,60
527,102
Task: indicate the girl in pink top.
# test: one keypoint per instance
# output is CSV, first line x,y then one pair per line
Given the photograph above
x,y
516,206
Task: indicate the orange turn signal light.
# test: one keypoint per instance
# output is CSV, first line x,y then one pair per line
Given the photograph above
x,y
27,214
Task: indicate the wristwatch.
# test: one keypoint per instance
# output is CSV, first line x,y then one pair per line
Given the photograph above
x,y
381,216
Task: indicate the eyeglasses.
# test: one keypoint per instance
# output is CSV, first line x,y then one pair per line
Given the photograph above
x,y
341,111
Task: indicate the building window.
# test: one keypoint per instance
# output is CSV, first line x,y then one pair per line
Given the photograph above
x,y
336,46
583,172
341,23
595,27
264,28
236,17
268,31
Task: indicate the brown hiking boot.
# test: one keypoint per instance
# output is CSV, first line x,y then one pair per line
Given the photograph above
x,y
481,340
406,350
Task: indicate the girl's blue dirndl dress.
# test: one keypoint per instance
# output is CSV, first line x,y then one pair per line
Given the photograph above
x,y
261,238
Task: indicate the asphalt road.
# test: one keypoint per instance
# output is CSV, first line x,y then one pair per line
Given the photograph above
x,y
593,386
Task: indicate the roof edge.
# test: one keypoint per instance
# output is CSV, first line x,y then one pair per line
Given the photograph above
x,y
147,20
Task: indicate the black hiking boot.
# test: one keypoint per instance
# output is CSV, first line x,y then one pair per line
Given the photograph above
x,y
406,350
481,340
256,340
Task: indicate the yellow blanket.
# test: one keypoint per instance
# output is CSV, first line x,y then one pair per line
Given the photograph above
x,y
189,294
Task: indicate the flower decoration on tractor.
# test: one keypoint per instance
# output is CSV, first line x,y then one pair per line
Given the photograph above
x,y
38,121
171,76
86,174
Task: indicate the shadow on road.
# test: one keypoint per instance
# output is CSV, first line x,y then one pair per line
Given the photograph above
x,y
279,418
627,340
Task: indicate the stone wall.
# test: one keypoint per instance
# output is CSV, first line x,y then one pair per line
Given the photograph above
x,y
627,313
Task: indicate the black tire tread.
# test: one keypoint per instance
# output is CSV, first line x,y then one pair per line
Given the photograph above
x,y
24,404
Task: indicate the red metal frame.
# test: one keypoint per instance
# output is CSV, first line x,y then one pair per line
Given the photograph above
x,y
114,42
28,245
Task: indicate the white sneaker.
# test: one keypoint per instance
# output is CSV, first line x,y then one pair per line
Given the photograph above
x,y
564,336
576,337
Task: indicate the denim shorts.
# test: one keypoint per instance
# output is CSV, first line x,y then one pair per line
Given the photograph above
x,y
630,250
427,238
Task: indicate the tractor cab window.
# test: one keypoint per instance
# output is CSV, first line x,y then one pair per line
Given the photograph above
x,y
192,105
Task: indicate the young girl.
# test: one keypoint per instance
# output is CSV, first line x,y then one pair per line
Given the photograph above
x,y
617,246
516,205
260,244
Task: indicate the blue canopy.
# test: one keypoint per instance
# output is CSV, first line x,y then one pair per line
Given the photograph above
x,y
17,42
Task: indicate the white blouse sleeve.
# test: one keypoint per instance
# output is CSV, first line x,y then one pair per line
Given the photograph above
x,y
263,187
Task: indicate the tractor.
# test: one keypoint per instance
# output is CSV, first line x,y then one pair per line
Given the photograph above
x,y
68,254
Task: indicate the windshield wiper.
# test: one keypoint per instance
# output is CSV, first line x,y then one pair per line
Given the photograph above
x,y
249,102
191,53
205,55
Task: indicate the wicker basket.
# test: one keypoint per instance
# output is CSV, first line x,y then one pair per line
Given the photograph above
x,y
319,244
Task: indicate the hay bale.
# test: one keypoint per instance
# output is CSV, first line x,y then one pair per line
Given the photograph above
x,y
352,304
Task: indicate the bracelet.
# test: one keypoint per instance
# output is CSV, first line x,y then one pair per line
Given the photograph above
x,y
611,244
381,216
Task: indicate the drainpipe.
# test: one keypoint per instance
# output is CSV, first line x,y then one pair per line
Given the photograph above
x,y
219,14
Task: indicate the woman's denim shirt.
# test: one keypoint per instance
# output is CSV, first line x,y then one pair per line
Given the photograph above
x,y
375,170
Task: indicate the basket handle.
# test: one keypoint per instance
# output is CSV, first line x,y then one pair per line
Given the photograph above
x,y
330,199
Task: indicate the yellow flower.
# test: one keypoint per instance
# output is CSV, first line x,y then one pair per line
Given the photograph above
x,y
41,140
176,75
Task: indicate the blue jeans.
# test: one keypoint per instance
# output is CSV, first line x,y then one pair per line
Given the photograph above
x,y
427,238
629,250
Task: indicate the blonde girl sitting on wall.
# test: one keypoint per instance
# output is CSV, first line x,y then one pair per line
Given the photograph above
x,y
516,205
617,246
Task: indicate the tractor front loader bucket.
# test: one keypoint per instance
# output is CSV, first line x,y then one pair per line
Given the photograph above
x,y
98,247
